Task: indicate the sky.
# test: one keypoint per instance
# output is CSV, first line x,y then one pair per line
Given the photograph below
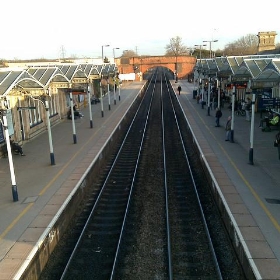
x,y
52,29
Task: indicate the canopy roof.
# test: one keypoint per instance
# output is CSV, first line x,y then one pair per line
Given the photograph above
x,y
39,77
271,72
256,67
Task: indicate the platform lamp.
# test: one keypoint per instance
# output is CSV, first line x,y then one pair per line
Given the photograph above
x,y
89,90
200,46
232,115
108,91
4,122
194,90
176,68
114,85
251,151
101,98
47,95
115,102
43,99
210,44
114,53
208,96
72,113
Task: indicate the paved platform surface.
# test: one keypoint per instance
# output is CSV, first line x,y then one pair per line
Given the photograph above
x,y
252,188
42,186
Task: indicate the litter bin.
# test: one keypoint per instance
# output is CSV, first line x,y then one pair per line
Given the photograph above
x,y
203,103
194,94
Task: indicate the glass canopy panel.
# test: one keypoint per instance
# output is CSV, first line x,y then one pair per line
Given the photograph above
x,y
270,72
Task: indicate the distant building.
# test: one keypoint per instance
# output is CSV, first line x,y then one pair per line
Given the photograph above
x,y
267,43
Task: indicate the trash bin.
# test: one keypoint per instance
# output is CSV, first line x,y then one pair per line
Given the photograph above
x,y
194,94
202,104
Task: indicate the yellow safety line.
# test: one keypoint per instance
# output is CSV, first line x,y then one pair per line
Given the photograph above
x,y
12,224
268,213
25,210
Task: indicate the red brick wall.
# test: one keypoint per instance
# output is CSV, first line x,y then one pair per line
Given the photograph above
x,y
185,64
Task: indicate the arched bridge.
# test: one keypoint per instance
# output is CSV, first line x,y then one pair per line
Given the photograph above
x,y
141,64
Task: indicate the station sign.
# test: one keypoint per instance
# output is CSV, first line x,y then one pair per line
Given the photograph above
x,y
268,103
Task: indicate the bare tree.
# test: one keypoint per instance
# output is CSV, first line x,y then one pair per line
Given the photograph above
x,y
176,47
246,45
129,53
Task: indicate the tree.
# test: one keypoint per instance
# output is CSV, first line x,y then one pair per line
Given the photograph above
x,y
203,52
246,45
129,53
126,55
176,47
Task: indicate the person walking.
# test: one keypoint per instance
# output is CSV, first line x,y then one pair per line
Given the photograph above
x,y
228,128
179,89
277,143
218,116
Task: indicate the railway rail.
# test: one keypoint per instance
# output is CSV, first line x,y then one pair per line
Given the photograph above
x,y
153,216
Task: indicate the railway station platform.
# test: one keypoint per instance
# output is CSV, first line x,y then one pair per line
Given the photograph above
x,y
42,188
249,185
251,190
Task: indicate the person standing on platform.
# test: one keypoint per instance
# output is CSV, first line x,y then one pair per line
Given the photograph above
x,y
277,143
218,116
198,98
179,89
248,109
228,128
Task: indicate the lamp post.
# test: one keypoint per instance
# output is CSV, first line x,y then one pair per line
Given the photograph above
x,y
251,151
11,164
43,100
200,46
194,91
102,52
49,130
101,99
89,89
176,68
114,84
108,90
219,90
114,53
210,43
72,114
115,102
232,115
208,96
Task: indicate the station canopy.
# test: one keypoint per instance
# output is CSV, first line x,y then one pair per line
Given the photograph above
x,y
255,67
39,77
271,72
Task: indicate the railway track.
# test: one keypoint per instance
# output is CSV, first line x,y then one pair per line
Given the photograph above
x,y
149,219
